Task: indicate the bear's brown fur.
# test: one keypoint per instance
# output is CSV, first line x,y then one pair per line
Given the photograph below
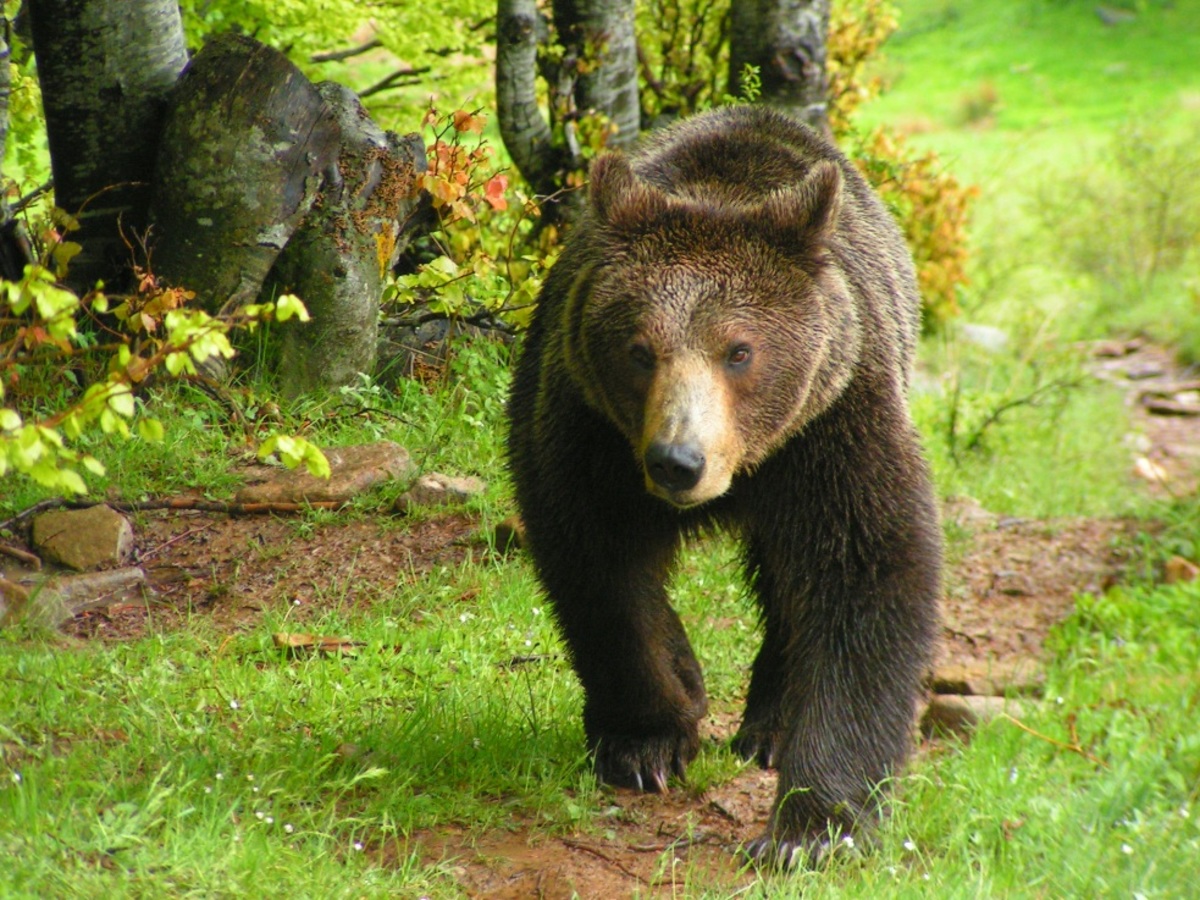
x,y
726,339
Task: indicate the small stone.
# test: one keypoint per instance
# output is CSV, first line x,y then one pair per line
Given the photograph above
x,y
1178,570
353,470
55,599
951,714
1148,469
83,539
510,534
1020,677
435,489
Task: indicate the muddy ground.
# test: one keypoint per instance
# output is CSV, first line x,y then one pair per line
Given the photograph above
x,y
1009,581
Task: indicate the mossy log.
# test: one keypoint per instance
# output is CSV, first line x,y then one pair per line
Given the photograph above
x,y
246,145
336,261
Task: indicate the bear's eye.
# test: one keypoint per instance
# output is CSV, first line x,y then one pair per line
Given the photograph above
x,y
642,356
738,356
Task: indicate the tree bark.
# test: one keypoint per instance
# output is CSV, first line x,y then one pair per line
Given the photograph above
x,y
337,259
523,127
599,35
598,74
105,70
246,145
786,40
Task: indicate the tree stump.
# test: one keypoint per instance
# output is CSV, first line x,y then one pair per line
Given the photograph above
x,y
336,261
247,142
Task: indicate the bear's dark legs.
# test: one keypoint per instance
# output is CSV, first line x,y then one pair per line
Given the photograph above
x,y
849,590
604,550
644,692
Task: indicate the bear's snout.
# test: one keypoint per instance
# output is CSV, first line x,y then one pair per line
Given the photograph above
x,y
675,467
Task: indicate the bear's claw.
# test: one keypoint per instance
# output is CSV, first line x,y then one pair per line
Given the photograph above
x,y
643,763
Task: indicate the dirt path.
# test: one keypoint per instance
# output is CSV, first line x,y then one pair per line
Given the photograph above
x,y
1013,581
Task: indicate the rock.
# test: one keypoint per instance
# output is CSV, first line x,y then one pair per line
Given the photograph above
x,y
1179,569
510,534
353,470
50,601
952,714
1148,469
1021,677
13,598
967,512
435,489
83,539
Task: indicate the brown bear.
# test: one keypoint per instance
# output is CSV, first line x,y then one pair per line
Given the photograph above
x,y
726,341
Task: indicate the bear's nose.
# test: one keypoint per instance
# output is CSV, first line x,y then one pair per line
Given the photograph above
x,y
676,467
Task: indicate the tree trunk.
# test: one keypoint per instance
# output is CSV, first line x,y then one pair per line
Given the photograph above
x,y
247,142
786,40
599,36
105,70
337,259
523,128
598,74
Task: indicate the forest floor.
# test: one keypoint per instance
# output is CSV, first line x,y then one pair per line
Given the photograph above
x,y
1008,582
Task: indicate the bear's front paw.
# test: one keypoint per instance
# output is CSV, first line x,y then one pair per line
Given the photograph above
x,y
759,743
807,849
644,763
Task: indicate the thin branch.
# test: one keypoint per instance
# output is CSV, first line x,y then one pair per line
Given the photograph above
x,y
339,55
394,81
1073,747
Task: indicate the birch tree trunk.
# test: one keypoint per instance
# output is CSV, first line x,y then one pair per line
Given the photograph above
x,y
597,74
105,69
599,35
786,40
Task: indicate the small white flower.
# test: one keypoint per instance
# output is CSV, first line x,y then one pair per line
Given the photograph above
x,y
208,789
249,777
465,617
1012,775
16,777
259,815
219,776
1184,812
537,610
256,789
848,841
1126,849
529,643
233,704
910,845
270,820
358,846
288,828
296,602
1059,701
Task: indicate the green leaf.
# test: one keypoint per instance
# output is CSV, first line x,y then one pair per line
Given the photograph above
x,y
9,420
289,305
92,464
120,401
150,430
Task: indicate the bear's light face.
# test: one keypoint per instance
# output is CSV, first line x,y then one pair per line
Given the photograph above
x,y
706,361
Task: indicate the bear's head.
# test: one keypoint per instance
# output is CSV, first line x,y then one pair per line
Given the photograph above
x,y
710,323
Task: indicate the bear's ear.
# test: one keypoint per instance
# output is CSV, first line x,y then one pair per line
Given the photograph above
x,y
808,211
617,196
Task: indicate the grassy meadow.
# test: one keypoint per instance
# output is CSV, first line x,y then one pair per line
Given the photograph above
x,y
197,763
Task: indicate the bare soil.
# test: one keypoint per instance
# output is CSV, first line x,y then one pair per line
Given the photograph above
x,y
1009,581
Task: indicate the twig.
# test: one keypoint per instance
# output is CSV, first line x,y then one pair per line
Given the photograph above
x,y
391,80
600,854
165,544
28,558
1074,747
339,55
